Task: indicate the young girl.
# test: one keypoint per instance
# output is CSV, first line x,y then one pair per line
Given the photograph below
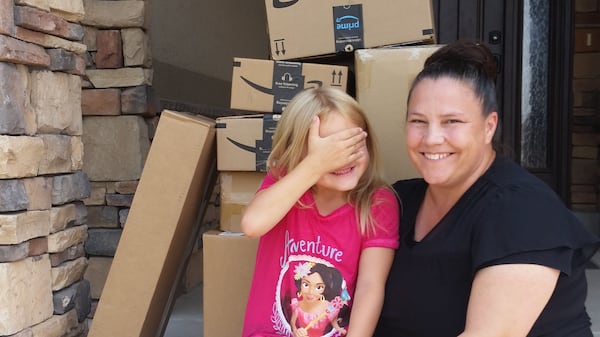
x,y
323,202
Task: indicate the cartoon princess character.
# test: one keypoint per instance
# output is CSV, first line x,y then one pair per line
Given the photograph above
x,y
321,295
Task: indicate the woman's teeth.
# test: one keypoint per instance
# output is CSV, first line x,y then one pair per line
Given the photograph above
x,y
436,156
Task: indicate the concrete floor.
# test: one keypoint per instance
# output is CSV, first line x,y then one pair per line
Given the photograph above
x,y
186,318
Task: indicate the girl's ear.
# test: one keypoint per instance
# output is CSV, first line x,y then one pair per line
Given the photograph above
x,y
491,123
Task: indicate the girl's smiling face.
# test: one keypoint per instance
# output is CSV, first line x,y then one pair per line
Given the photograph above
x,y
448,138
346,178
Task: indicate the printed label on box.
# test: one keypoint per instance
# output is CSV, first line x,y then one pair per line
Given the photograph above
x,y
287,82
348,28
264,145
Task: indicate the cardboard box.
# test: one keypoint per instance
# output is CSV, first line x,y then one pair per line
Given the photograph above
x,y
159,227
244,142
268,86
300,29
383,79
237,189
229,261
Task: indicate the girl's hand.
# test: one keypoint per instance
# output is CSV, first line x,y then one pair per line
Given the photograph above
x,y
337,150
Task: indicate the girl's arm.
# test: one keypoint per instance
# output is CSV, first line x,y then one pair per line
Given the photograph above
x,y
324,155
507,299
373,269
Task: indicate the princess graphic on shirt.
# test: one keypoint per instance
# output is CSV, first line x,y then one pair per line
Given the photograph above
x,y
321,294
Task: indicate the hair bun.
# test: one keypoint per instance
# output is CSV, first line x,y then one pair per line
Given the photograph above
x,y
466,51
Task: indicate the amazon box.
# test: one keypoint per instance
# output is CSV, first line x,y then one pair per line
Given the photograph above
x,y
162,218
229,260
244,142
236,190
301,29
268,86
383,79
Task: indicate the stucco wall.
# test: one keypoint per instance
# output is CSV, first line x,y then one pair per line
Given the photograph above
x,y
194,42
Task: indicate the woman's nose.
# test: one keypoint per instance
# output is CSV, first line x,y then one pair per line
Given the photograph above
x,y
433,134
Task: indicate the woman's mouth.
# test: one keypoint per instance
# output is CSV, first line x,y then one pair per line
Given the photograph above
x,y
436,156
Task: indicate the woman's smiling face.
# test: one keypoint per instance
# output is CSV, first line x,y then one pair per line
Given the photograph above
x,y
448,138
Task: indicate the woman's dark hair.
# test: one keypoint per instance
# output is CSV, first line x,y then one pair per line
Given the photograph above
x,y
469,62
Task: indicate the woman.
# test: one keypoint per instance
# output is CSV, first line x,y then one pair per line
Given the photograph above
x,y
486,248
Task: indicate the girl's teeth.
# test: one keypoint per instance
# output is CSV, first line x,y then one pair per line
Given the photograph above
x,y
344,171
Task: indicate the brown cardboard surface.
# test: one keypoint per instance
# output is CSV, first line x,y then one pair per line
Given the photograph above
x,y
160,223
244,142
267,86
228,266
237,189
300,29
383,79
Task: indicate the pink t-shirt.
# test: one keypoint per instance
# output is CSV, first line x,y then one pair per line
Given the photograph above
x,y
308,257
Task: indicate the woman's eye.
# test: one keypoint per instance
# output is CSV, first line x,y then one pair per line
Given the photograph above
x,y
452,121
416,121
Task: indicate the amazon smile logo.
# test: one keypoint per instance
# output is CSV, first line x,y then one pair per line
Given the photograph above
x,y
284,4
242,146
258,87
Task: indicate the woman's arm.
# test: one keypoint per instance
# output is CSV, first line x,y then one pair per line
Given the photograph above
x,y
507,299
324,155
374,266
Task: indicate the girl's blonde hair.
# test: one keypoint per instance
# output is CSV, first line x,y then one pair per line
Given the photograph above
x,y
290,143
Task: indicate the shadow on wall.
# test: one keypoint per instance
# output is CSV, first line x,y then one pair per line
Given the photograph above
x,y
186,86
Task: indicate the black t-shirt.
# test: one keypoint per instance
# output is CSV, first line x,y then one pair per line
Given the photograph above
x,y
507,216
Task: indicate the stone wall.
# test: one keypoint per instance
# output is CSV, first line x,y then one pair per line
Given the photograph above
x,y
117,123
120,114
585,177
43,223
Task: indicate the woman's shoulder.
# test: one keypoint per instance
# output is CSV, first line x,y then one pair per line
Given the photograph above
x,y
505,171
509,178
409,186
514,194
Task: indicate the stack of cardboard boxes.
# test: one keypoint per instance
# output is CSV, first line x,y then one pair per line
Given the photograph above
x,y
310,42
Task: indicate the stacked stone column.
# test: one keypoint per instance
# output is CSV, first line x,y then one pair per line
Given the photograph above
x,y
117,123
42,217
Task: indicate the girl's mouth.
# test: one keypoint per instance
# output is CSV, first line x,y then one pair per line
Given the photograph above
x,y
343,171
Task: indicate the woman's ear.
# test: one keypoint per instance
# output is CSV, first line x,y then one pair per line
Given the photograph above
x,y
491,123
